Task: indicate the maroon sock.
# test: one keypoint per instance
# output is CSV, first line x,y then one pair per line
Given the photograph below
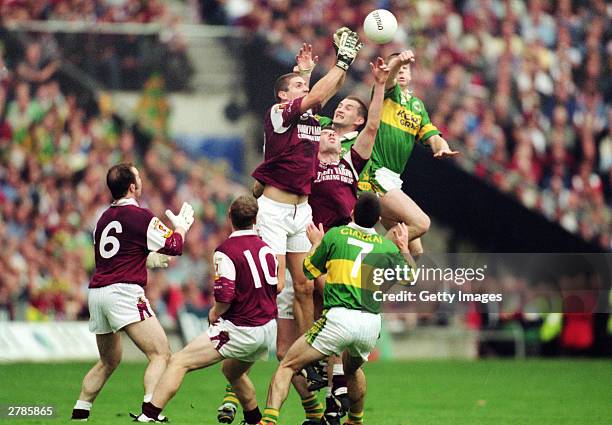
x,y
150,410
252,416
338,381
80,414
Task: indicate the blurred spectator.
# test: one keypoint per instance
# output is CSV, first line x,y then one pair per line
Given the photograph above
x,y
54,153
119,61
83,10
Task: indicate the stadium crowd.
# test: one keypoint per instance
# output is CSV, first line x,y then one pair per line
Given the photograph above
x,y
54,154
519,86
117,60
83,10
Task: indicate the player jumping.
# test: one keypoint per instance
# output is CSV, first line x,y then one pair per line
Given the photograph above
x,y
127,239
404,122
243,324
292,133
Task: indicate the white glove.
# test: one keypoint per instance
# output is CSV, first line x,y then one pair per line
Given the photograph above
x,y
156,260
348,47
184,218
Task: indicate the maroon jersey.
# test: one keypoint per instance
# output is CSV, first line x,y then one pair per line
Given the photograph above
x,y
334,190
124,236
245,278
290,148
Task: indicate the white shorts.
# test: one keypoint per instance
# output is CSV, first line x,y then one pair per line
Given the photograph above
x,y
245,343
114,306
341,329
284,300
283,226
385,180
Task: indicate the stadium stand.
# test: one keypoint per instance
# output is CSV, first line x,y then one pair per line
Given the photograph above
x,y
55,148
520,90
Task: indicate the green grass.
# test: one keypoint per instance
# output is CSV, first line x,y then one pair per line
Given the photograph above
x,y
538,392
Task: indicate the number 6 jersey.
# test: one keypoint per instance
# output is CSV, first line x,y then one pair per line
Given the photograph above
x,y
245,277
123,238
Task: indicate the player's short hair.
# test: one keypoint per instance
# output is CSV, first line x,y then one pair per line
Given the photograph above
x,y
367,210
243,212
119,178
282,83
362,110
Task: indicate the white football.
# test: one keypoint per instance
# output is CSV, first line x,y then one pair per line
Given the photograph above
x,y
380,26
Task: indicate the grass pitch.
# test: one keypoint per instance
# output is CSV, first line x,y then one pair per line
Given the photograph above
x,y
535,392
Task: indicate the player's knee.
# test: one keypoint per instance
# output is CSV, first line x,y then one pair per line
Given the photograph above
x,y
178,361
110,363
303,288
422,223
161,352
289,364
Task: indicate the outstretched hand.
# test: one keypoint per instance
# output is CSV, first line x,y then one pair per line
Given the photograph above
x,y
305,61
400,236
444,152
380,70
404,58
315,234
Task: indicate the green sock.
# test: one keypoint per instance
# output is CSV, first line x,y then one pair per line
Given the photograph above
x,y
312,408
230,396
270,416
355,418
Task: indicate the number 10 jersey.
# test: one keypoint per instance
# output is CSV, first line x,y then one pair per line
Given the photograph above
x,y
246,278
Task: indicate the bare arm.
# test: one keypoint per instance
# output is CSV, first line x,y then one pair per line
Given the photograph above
x,y
395,64
348,45
440,147
340,84
324,89
216,311
365,141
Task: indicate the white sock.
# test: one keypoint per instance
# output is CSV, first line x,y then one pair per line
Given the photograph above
x,y
338,369
329,390
83,405
147,398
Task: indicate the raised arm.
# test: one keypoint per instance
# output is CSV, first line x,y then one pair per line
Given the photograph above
x,y
305,63
395,64
365,141
348,45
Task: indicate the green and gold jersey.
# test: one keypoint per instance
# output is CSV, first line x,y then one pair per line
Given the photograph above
x,y
404,121
349,254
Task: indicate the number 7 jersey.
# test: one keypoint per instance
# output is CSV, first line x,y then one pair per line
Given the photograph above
x,y
348,254
245,278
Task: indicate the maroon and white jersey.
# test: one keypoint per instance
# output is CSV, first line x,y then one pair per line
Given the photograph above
x,y
290,148
124,236
245,277
334,190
